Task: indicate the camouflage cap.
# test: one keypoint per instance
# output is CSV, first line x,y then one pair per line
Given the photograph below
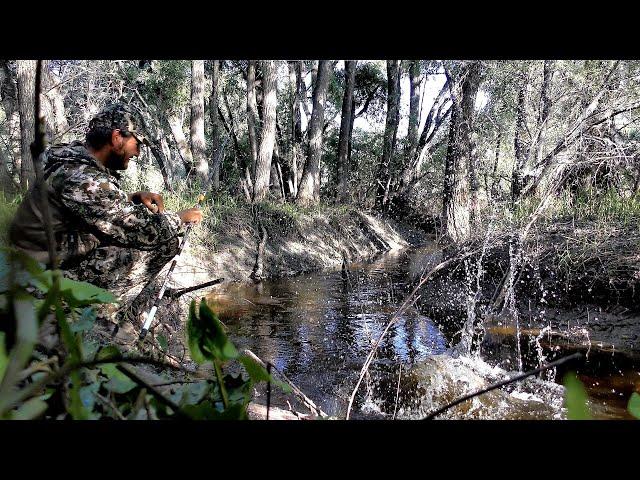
x,y
119,116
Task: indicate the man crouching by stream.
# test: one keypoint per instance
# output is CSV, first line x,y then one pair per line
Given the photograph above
x,y
104,236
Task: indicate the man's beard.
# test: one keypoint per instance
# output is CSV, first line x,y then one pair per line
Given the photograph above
x,y
116,162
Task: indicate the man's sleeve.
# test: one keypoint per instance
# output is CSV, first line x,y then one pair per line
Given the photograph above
x,y
100,203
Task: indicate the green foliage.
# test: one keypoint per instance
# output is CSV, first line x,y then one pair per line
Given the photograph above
x,y
97,386
8,207
602,207
634,405
575,399
208,342
169,84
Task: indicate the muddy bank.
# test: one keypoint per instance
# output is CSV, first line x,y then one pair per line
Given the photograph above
x,y
577,288
296,243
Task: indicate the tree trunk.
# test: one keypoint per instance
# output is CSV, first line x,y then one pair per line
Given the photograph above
x,y
309,192
198,147
26,75
518,143
46,104
246,184
545,107
215,123
6,182
351,121
414,109
390,132
181,141
166,152
495,182
474,184
296,123
263,165
345,124
156,150
53,94
455,205
252,114
8,92
302,101
9,99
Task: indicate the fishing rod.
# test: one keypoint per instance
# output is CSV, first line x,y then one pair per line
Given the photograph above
x,y
154,308
152,312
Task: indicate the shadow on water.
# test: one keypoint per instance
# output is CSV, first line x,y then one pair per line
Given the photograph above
x,y
318,329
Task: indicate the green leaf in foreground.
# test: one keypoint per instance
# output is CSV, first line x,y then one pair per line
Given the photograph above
x,y
85,322
575,398
634,405
110,351
162,340
258,373
4,359
29,410
118,381
206,337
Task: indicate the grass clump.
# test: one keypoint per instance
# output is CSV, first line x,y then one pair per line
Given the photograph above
x,y
8,206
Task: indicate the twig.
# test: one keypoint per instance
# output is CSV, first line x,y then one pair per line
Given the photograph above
x,y
268,389
395,408
161,398
38,367
110,404
517,378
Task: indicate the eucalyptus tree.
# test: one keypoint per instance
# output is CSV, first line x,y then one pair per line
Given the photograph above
x,y
26,76
346,123
196,127
295,94
309,191
464,79
253,120
267,137
390,133
215,122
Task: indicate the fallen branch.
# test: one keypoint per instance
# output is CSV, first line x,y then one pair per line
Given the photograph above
x,y
306,400
170,293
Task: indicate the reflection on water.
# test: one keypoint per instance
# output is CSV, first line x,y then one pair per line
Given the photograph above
x,y
318,328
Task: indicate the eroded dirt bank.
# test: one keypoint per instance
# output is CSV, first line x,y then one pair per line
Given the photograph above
x,y
295,243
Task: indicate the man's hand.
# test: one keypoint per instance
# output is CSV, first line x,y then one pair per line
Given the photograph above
x,y
152,201
190,215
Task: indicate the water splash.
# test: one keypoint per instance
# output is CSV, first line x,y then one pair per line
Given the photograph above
x,y
441,379
510,298
472,329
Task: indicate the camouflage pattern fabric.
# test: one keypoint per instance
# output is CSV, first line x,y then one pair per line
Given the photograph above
x,y
119,116
101,236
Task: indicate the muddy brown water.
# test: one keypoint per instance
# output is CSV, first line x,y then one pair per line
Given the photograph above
x,y
318,329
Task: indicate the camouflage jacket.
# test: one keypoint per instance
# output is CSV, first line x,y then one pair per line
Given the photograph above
x,y
88,209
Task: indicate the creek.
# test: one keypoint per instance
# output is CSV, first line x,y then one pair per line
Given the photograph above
x,y
318,329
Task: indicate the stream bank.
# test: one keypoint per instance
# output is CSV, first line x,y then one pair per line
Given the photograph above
x,y
298,241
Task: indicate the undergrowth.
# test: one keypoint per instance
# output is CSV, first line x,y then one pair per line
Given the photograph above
x,y
8,206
